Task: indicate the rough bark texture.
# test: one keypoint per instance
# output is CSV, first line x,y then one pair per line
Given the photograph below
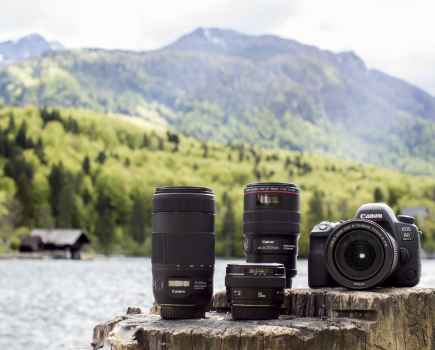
x,y
385,319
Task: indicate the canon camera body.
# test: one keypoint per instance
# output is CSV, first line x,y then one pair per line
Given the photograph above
x,y
375,248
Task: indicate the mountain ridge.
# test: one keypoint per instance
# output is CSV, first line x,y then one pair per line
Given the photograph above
x,y
28,46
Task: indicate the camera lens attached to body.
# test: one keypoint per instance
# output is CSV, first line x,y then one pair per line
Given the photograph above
x,y
255,291
375,249
361,254
183,257
271,224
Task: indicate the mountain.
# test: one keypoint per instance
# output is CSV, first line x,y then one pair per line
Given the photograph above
x,y
32,45
236,88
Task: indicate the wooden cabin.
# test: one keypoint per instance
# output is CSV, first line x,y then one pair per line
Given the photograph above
x,y
67,243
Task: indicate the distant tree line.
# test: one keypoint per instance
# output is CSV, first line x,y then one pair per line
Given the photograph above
x,y
106,186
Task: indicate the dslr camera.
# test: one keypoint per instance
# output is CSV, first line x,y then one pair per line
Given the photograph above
x,y
374,249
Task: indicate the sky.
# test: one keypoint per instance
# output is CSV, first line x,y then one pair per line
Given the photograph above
x,y
394,36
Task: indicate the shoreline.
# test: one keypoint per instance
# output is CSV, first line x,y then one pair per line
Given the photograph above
x,y
90,257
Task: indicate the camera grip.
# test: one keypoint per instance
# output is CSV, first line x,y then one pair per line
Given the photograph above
x,y
318,276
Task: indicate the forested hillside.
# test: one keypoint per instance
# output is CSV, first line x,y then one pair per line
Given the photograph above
x,y
229,87
74,168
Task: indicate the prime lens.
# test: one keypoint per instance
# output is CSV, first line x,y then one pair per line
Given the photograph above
x,y
271,225
255,291
183,239
361,254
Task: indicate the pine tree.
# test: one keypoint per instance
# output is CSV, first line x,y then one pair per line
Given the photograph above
x,y
24,195
174,139
316,210
86,165
101,158
161,143
57,180
287,162
66,205
378,195
241,153
72,126
138,222
50,116
40,152
146,141
393,196
204,150
21,137
11,123
228,226
22,172
105,226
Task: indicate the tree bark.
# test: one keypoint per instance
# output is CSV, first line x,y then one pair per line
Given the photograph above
x,y
399,319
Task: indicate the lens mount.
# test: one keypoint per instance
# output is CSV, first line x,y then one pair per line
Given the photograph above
x,y
361,254
181,312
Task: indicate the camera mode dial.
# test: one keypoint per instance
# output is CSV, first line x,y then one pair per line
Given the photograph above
x,y
406,219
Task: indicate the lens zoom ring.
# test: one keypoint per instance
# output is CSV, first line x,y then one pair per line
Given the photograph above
x,y
181,223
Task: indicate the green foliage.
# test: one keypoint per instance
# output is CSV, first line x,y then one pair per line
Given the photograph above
x,y
99,172
139,219
63,186
22,172
316,210
378,195
228,227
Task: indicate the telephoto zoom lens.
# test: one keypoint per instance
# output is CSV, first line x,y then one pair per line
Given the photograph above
x,y
183,239
271,222
255,291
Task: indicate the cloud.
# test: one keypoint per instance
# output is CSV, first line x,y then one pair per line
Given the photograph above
x,y
394,36
136,24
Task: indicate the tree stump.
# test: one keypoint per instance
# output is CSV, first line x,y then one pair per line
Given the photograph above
x,y
399,319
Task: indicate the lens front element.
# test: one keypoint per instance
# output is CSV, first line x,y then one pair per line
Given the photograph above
x,y
360,254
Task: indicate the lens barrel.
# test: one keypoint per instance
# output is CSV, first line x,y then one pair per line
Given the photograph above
x,y
183,240
360,254
271,223
255,291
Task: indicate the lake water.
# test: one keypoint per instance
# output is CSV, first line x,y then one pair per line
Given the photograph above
x,y
54,304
